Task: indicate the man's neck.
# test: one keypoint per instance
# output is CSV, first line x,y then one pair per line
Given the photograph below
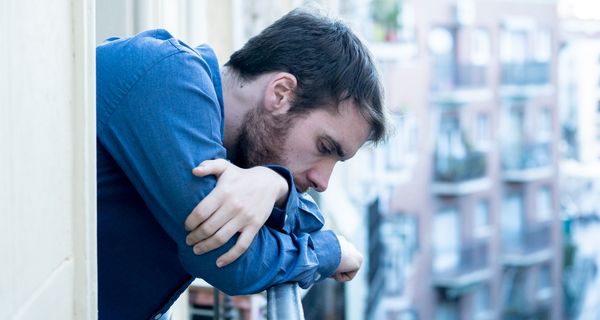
x,y
233,105
239,97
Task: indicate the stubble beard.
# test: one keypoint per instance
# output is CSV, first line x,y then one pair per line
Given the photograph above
x,y
262,139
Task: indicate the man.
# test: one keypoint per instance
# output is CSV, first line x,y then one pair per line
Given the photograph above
x,y
303,94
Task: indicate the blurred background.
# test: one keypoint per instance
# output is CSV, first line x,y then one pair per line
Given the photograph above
x,y
485,204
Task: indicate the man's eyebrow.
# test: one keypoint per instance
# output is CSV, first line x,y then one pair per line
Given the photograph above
x,y
337,147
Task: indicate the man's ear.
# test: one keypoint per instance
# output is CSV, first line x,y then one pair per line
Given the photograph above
x,y
280,92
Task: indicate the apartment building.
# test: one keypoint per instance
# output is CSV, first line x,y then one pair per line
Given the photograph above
x,y
466,222
579,101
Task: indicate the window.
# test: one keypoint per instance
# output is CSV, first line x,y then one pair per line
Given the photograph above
x,y
545,125
514,289
446,240
481,300
450,141
482,130
512,219
544,282
544,204
515,124
513,46
447,310
441,45
542,43
401,149
544,277
480,47
399,236
481,218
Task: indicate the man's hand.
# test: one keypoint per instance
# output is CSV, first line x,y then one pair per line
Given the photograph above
x,y
350,262
241,202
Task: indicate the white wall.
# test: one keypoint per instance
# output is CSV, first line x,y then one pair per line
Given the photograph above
x,y
47,160
194,21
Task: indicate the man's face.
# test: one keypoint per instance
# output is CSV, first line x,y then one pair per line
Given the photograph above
x,y
309,145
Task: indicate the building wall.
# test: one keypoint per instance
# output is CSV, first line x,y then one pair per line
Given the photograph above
x,y
47,160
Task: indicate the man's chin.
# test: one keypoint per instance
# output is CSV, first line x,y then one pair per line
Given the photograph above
x,y
301,189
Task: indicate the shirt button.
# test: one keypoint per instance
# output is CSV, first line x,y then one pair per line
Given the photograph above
x,y
156,317
317,276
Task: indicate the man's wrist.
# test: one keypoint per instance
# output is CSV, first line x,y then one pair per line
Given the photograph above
x,y
280,184
283,188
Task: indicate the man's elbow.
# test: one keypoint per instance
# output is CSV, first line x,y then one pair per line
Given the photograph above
x,y
233,279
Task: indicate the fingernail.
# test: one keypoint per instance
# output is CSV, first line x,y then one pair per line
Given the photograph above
x,y
219,263
198,251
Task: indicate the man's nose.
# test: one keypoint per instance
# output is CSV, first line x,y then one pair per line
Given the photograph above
x,y
319,176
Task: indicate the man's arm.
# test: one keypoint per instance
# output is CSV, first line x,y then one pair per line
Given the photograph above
x,y
232,206
157,131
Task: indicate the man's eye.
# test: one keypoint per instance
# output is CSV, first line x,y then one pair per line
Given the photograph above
x,y
324,149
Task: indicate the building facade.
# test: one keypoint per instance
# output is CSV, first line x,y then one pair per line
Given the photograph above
x,y
466,225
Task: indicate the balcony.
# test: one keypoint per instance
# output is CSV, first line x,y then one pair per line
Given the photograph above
x,y
459,176
526,311
460,82
527,162
473,267
526,73
530,78
532,246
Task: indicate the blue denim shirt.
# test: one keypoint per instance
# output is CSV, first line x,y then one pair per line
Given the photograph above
x,y
159,114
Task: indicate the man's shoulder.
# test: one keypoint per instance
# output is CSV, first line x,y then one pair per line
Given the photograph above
x,y
141,50
122,63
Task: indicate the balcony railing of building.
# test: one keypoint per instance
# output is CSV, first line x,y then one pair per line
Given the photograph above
x,y
283,302
473,267
529,73
517,301
449,76
527,161
521,310
460,82
457,176
533,245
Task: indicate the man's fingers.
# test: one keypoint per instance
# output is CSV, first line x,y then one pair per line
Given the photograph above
x,y
344,276
217,240
239,248
211,167
203,210
210,227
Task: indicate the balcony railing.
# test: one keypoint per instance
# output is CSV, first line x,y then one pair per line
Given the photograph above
x,y
456,170
473,267
527,156
460,176
529,247
448,76
526,73
283,302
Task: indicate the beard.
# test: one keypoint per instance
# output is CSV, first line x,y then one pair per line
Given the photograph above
x,y
262,139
